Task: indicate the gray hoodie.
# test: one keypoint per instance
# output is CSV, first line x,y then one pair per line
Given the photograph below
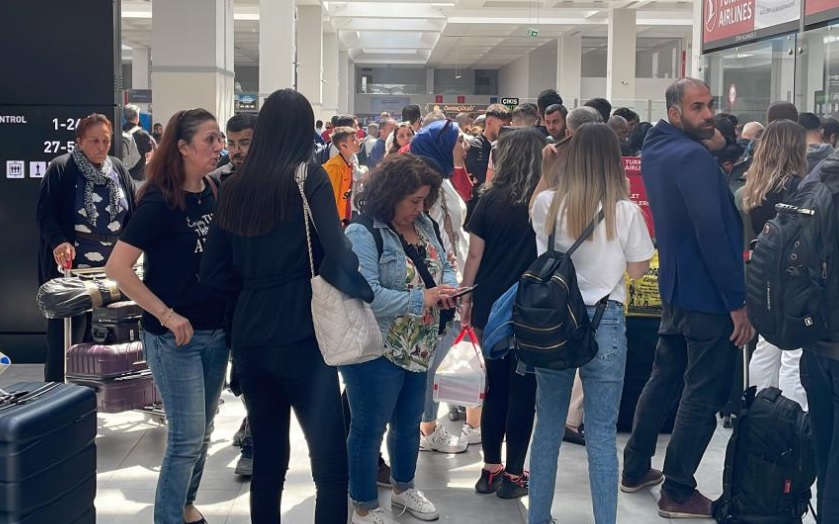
x,y
816,153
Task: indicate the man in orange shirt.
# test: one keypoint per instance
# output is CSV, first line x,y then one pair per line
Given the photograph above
x,y
340,169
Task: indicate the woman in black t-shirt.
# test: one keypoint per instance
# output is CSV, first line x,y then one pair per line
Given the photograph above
x,y
502,245
780,161
183,338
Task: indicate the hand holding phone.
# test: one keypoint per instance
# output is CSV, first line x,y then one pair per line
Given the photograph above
x,y
464,291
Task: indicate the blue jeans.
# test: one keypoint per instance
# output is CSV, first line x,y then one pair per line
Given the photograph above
x,y
443,346
381,394
602,380
190,379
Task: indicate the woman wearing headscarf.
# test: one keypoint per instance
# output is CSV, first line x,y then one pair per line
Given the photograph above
x,y
442,145
85,201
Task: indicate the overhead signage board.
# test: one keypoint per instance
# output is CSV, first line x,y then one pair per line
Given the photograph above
x,y
510,102
817,11
244,102
452,110
733,22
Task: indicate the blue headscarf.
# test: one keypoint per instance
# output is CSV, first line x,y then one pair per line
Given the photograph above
x,y
436,141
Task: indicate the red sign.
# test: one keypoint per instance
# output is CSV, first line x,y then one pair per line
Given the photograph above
x,y
438,99
461,99
727,18
812,7
637,191
731,22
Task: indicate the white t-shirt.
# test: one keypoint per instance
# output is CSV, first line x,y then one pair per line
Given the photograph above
x,y
600,263
457,212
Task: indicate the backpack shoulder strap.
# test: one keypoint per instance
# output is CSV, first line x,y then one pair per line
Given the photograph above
x,y
586,233
367,221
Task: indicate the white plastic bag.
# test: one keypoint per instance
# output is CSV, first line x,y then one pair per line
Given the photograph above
x,y
461,378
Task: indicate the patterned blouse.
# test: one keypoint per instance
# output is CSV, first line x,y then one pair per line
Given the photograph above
x,y
411,342
90,251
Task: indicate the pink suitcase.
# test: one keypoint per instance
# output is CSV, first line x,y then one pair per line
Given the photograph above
x,y
116,395
101,362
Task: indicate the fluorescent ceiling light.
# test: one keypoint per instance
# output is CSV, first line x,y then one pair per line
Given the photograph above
x,y
147,15
443,4
389,51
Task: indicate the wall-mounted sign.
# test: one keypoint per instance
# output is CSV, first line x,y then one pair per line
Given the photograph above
x,y
510,102
389,104
438,99
816,11
452,110
461,99
245,102
137,96
733,22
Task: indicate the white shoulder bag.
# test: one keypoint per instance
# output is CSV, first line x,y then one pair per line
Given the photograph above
x,y
345,327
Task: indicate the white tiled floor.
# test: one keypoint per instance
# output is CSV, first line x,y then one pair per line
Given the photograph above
x,y
130,447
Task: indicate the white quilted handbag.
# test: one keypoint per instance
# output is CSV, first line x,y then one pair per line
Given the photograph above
x,y
345,327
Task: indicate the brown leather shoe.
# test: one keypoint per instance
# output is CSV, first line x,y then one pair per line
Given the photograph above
x,y
695,506
651,478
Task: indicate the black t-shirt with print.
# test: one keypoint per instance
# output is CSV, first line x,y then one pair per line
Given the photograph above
x,y
173,241
509,249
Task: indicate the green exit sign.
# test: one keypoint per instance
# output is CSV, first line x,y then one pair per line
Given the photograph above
x,y
533,32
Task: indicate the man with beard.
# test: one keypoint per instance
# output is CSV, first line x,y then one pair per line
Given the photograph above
x,y
704,320
554,120
239,137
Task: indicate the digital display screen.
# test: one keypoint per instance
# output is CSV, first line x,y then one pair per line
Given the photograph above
x,y
30,137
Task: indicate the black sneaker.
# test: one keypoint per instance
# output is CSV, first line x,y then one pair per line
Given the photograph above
x,y
514,487
244,467
489,482
383,476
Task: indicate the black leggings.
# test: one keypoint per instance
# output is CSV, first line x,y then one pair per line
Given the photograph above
x,y
273,380
509,408
54,363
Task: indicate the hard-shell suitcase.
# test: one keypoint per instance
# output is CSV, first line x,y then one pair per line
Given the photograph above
x,y
116,323
117,312
47,454
131,391
87,362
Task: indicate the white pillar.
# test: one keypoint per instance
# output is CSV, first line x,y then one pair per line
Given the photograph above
x,y
569,68
620,62
695,50
345,89
140,65
429,81
330,73
352,84
276,46
192,45
310,55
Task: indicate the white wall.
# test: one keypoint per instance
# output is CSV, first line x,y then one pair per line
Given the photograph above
x,y
363,102
543,62
514,79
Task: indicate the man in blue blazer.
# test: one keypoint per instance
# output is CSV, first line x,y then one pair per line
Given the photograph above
x,y
700,241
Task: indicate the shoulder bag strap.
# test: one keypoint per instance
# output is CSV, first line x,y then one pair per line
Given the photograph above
x,y
210,182
300,177
418,261
586,233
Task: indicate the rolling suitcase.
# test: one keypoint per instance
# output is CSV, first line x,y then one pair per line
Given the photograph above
x,y
98,361
47,454
116,323
130,391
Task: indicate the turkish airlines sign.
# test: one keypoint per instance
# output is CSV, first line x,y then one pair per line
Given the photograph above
x,y
731,22
816,11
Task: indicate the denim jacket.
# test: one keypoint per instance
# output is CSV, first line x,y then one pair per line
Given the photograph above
x,y
386,275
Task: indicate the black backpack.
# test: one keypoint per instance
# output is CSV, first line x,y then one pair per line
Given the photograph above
x,y
550,319
792,288
770,464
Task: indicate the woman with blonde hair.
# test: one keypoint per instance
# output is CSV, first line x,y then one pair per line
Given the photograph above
x,y
591,192
779,164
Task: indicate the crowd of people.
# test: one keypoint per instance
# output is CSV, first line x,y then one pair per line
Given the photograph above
x,y
404,217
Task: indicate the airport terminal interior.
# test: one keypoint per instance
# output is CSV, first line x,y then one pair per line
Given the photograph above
x,y
366,61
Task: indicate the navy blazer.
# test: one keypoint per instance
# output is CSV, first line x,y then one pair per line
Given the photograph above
x,y
698,230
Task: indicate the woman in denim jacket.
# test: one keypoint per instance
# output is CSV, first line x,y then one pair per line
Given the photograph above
x,y
594,180
391,389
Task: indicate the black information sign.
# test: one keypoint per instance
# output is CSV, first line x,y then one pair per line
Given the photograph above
x,y
510,102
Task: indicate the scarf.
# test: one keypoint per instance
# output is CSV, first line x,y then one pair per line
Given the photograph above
x,y
97,176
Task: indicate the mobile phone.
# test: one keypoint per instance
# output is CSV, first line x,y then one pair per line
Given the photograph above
x,y
464,291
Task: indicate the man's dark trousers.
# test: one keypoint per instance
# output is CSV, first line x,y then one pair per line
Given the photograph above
x,y
694,349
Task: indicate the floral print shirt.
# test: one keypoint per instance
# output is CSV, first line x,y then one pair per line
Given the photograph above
x,y
411,341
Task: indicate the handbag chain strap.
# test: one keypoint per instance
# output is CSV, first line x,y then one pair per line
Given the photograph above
x,y
300,178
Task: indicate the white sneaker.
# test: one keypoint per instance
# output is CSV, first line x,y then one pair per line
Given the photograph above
x,y
470,435
376,516
414,502
443,441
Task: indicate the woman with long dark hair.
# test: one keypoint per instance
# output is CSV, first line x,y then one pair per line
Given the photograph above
x,y
257,253
501,247
183,334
